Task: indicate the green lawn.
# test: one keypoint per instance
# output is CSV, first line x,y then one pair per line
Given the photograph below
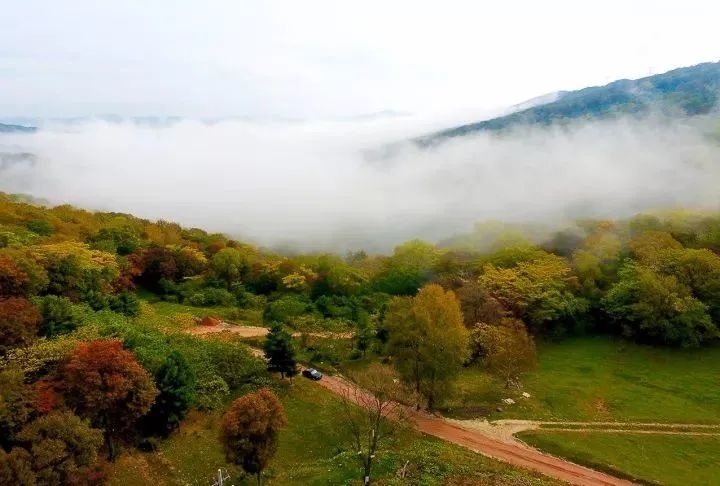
x,y
313,452
164,308
601,379
663,459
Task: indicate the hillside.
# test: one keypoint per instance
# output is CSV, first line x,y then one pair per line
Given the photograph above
x,y
625,315
687,91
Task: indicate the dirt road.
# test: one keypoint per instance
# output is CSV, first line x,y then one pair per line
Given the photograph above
x,y
513,452
508,449
254,331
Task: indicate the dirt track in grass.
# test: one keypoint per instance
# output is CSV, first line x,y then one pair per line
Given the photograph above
x,y
495,439
255,331
508,450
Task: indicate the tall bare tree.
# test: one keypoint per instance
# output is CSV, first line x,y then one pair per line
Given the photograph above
x,y
372,413
507,350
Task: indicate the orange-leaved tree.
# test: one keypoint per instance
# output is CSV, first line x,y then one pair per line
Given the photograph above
x,y
249,431
104,383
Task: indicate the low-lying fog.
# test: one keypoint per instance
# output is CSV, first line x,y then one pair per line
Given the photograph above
x,y
311,183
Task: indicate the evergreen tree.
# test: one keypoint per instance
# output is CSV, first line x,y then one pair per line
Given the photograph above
x,y
280,352
364,333
176,383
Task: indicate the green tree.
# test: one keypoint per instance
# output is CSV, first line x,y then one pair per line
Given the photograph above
x,y
280,351
410,266
653,307
62,446
175,381
287,308
126,303
596,261
76,271
40,227
227,264
699,270
651,247
428,341
17,405
211,391
333,276
364,333
540,292
249,431
58,316
190,261
510,256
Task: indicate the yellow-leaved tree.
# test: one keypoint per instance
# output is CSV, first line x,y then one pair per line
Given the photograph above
x,y
427,341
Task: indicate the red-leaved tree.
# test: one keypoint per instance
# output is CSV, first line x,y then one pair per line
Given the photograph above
x,y
19,321
104,383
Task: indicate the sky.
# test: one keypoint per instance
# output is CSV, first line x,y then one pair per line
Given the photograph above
x,y
320,59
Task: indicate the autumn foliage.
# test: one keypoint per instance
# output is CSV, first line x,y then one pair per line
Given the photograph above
x,y
63,448
13,279
104,383
506,349
19,321
249,430
428,340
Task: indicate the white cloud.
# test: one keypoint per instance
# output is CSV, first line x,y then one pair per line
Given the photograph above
x,y
309,182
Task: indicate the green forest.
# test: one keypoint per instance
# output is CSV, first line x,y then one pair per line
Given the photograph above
x,y
98,361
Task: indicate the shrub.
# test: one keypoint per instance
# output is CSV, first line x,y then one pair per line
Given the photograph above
x,y
211,391
58,315
212,297
286,308
125,303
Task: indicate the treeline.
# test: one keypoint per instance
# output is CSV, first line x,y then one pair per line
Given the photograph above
x,y
652,278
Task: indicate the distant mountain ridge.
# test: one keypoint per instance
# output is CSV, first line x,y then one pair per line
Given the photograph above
x,y
687,91
16,129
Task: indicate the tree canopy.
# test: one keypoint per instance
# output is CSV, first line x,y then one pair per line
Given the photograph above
x,y
104,383
428,341
249,431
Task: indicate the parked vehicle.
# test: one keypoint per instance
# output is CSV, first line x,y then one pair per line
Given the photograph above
x,y
312,373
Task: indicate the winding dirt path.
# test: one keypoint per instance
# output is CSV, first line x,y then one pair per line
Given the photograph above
x,y
504,449
495,439
510,451
507,428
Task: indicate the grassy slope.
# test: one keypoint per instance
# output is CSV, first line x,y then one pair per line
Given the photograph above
x,y
669,460
166,308
312,453
591,379
580,379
